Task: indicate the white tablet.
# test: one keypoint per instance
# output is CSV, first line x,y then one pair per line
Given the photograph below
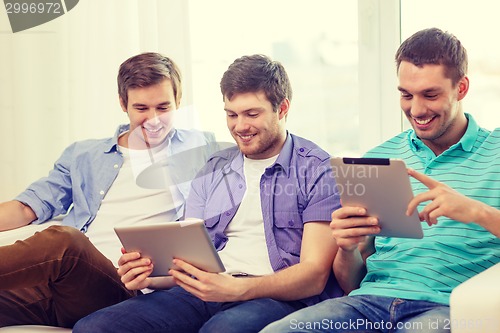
x,y
382,186
186,240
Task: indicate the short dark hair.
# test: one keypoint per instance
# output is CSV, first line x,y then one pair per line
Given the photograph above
x,y
434,46
147,69
255,73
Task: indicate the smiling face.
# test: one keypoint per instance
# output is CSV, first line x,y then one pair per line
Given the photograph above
x,y
258,130
150,113
431,104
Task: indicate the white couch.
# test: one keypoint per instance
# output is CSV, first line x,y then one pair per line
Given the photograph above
x,y
33,329
474,305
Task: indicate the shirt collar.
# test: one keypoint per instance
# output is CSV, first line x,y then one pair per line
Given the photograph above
x,y
282,161
285,155
113,144
466,142
469,138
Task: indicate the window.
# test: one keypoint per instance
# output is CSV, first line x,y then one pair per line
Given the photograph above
x,y
475,25
317,42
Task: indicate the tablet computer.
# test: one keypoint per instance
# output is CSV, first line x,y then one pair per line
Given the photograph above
x,y
382,186
186,240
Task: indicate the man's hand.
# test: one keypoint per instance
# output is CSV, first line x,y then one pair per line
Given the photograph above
x,y
209,287
444,201
351,227
134,270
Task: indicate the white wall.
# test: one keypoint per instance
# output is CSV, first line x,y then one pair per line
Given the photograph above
x,y
58,80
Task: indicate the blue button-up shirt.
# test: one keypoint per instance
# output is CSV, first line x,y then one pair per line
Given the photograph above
x,y
87,169
298,188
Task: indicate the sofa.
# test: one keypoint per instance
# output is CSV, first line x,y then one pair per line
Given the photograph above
x,y
474,305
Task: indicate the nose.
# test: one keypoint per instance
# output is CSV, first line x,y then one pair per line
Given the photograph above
x,y
153,118
241,125
418,107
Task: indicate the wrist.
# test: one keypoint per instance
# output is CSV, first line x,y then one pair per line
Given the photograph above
x,y
489,218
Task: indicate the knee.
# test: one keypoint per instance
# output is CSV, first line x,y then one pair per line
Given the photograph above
x,y
65,234
83,326
222,323
69,238
91,323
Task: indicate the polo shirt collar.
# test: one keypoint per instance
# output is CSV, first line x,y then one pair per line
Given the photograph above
x,y
466,142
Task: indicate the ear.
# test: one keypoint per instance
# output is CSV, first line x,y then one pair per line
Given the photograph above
x,y
122,104
463,87
283,108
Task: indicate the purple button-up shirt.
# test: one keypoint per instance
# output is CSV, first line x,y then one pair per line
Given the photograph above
x,y
298,188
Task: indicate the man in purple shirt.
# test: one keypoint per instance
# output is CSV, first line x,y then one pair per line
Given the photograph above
x,y
267,204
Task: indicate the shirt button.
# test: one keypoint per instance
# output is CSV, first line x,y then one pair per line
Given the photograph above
x,y
101,192
228,213
301,150
290,223
115,166
240,186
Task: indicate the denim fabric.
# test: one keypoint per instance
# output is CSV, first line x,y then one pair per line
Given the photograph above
x,y
176,310
367,314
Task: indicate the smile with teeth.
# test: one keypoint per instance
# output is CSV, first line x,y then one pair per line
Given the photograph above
x,y
423,121
153,130
246,137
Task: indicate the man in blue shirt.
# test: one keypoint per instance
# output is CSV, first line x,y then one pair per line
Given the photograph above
x,y
404,285
58,276
266,204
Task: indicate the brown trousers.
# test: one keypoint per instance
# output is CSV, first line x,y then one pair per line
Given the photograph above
x,y
55,278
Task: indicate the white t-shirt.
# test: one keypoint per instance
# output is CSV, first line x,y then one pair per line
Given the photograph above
x,y
127,204
246,248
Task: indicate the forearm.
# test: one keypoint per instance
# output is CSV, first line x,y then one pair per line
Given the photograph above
x,y
14,214
489,218
293,283
349,269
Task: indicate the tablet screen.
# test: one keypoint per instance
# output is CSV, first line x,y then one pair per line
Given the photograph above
x,y
186,240
382,186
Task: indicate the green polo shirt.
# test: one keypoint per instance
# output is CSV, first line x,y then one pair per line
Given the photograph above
x,y
450,252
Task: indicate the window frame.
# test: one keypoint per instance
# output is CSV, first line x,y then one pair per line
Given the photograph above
x,y
379,38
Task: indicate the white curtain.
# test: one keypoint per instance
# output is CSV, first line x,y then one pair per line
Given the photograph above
x,y
58,80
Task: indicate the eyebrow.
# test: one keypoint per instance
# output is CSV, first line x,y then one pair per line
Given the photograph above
x,y
247,110
425,91
161,104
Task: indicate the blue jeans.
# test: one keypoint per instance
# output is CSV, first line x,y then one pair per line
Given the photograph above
x,y
176,310
367,314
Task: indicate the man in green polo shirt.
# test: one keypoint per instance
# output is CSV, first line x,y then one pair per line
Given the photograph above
x,y
404,285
